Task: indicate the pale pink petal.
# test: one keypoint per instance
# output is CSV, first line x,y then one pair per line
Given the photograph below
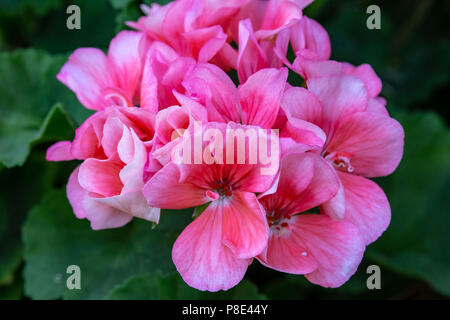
x,y
127,51
377,105
372,142
245,229
339,96
101,176
261,95
367,206
104,216
133,204
87,73
101,216
112,133
76,194
366,73
202,259
60,151
336,206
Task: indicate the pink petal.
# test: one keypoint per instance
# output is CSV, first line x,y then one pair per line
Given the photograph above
x,y
101,176
366,73
245,229
279,15
339,96
164,190
205,43
308,66
300,103
377,105
215,90
337,247
335,208
373,143
226,58
112,133
127,52
251,57
307,34
285,254
133,204
202,259
261,95
100,216
87,73
60,151
306,181
367,206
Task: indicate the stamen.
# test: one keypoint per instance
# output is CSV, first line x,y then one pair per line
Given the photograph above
x,y
222,188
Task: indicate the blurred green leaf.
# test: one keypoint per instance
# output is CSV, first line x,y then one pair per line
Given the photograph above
x,y
39,7
13,291
55,239
21,189
172,287
97,28
410,52
28,90
415,243
120,4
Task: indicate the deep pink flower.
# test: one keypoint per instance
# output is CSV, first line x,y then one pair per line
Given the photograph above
x,y
107,187
328,252
100,80
361,142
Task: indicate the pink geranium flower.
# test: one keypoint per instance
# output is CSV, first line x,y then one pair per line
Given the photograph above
x,y
326,251
214,251
100,80
107,187
361,142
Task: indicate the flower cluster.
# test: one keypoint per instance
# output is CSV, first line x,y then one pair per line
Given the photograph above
x,y
165,89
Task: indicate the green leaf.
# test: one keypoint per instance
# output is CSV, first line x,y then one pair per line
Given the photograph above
x,y
40,7
120,4
22,188
54,239
172,287
28,90
416,241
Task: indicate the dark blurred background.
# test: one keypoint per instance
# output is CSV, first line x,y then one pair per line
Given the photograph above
x,y
410,53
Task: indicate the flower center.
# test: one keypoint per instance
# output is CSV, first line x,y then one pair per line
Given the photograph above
x,y
340,160
223,188
278,222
